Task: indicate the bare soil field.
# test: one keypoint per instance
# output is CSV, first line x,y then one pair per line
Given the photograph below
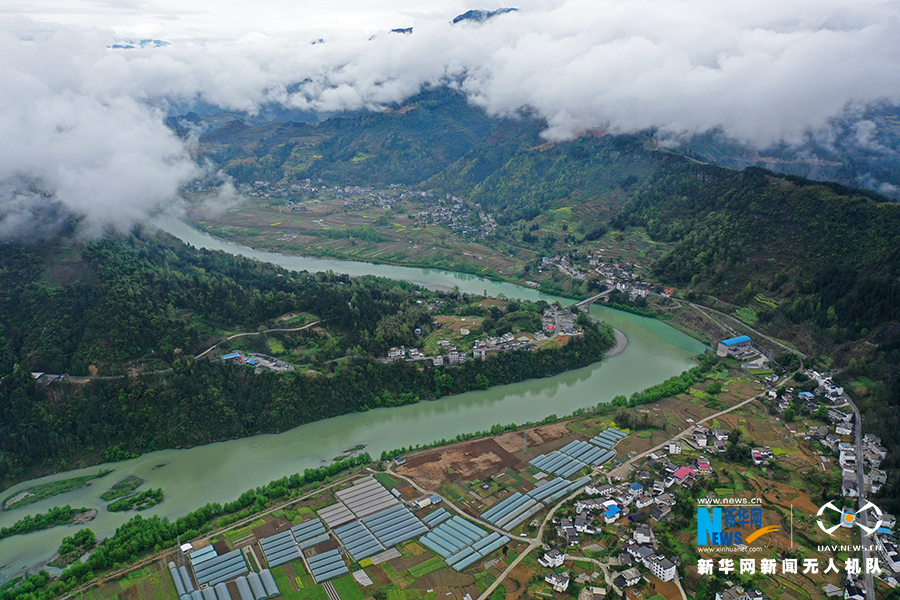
x,y
454,324
455,582
513,442
408,492
667,588
271,527
464,462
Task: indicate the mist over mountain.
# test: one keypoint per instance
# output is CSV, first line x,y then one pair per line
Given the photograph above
x,y
88,121
481,15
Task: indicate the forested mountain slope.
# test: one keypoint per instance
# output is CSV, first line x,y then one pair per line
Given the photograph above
x,y
149,300
406,145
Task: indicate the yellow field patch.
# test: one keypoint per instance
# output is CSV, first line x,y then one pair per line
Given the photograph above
x,y
414,549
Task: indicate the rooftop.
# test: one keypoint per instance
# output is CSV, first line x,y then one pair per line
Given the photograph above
x,y
736,340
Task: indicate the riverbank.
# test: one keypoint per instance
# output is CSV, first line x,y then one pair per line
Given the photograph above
x,y
619,346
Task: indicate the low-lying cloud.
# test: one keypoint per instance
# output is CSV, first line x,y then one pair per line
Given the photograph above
x,y
86,121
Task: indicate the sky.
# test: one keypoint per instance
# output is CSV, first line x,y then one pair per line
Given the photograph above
x,y
82,122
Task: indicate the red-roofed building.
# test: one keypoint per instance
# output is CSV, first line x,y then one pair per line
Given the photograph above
x,y
683,473
703,466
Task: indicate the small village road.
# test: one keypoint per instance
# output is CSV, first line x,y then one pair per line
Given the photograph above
x,y
237,335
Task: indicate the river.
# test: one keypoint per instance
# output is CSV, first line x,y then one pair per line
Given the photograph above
x,y
221,472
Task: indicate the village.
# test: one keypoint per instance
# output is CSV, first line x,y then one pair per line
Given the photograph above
x,y
457,214
592,507
556,321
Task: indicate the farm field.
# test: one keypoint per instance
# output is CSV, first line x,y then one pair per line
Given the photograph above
x,y
325,227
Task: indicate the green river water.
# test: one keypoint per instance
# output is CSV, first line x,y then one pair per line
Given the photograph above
x,y
222,471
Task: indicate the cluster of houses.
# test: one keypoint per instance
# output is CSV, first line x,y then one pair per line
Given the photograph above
x,y
714,439
649,497
642,549
887,546
556,321
824,385
617,275
631,500
561,263
873,453
506,343
717,438
464,217
825,389
761,456
559,321
296,192
460,215
453,357
259,362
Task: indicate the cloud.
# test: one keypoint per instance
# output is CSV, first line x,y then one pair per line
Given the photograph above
x,y
87,121
91,153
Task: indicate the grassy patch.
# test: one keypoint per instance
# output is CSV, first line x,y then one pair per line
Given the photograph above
x,y
747,315
141,501
123,488
236,534
766,302
347,588
401,579
47,490
145,583
385,480
429,566
297,589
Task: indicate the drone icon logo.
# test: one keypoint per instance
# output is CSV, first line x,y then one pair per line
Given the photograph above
x,y
849,518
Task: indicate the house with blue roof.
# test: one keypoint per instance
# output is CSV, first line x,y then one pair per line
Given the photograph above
x,y
734,346
612,514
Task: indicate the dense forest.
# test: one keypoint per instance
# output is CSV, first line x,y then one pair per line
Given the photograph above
x,y
150,299
827,254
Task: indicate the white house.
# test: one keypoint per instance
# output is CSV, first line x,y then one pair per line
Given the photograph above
x,y
663,568
552,559
560,582
643,534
